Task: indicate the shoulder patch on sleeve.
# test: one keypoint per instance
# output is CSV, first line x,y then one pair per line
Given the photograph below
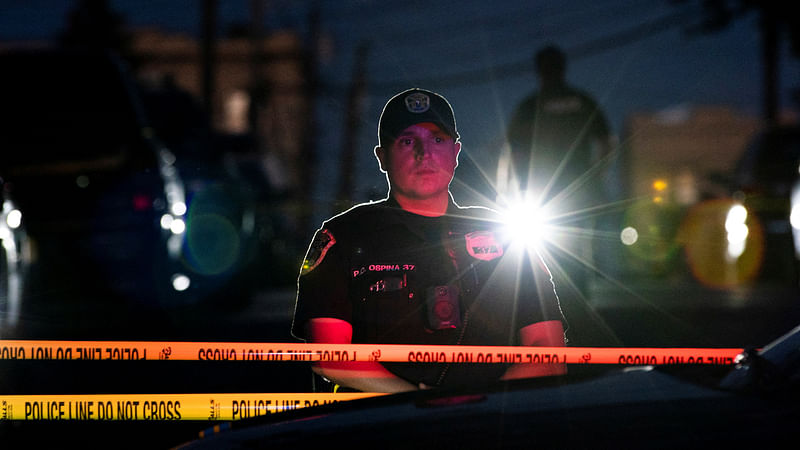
x,y
483,245
322,242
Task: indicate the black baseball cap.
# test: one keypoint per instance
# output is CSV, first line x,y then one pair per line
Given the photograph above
x,y
411,107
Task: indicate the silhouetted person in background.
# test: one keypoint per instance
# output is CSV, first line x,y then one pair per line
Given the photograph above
x,y
96,25
557,138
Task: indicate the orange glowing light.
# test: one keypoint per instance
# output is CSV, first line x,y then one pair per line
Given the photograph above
x,y
659,185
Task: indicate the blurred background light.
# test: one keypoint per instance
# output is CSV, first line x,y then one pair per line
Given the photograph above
x,y
181,282
14,219
736,231
723,244
166,221
178,208
178,226
82,181
629,236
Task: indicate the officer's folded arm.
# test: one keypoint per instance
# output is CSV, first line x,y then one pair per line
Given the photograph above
x,y
366,376
549,333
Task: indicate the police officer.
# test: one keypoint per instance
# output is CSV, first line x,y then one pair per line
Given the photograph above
x,y
558,133
415,268
559,142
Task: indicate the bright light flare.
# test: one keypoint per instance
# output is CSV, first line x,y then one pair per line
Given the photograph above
x,y
527,224
14,219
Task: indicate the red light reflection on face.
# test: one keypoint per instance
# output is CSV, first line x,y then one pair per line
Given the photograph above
x,y
421,161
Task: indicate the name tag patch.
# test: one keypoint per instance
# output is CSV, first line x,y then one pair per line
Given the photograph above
x,y
384,268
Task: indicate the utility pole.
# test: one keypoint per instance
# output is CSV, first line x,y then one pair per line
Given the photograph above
x,y
353,115
256,36
307,167
769,38
208,56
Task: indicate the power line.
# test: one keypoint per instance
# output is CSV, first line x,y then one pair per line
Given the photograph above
x,y
523,67
631,35
445,34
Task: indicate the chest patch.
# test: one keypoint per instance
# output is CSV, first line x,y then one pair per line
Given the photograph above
x,y
323,241
483,245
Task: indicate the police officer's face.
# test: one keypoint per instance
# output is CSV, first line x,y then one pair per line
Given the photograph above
x,y
421,161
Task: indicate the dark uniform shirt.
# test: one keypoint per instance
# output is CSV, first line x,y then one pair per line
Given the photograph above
x,y
381,269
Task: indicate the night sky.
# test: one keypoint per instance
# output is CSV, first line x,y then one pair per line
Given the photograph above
x,y
632,56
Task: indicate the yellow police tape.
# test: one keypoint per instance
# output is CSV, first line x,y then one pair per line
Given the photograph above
x,y
163,407
309,352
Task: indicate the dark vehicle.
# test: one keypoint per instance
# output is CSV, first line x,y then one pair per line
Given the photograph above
x,y
755,404
238,240
100,196
763,181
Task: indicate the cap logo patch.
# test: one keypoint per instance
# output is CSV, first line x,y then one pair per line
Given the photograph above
x,y
418,103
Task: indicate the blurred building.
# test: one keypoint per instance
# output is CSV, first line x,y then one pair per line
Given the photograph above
x,y
684,150
259,90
